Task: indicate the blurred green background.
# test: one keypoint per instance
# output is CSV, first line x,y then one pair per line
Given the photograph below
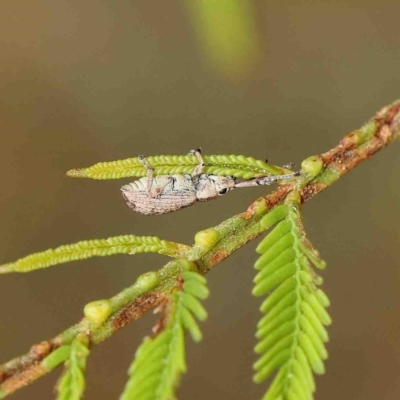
x,y
82,82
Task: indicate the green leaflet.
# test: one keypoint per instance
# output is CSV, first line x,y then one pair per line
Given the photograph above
x,y
291,334
71,385
127,244
223,165
160,362
57,357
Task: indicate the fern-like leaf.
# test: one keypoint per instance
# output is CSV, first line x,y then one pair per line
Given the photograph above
x,y
160,362
223,165
127,244
71,385
291,334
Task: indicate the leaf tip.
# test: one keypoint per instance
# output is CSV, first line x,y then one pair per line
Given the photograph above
x,y
76,173
6,269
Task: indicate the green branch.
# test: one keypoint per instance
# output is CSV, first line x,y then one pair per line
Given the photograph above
x,y
212,246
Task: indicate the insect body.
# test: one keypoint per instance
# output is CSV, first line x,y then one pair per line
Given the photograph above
x,y
166,193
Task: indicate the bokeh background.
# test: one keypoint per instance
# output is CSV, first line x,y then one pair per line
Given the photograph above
x,y
89,81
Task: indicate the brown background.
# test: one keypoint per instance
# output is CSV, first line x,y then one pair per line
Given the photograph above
x,y
82,82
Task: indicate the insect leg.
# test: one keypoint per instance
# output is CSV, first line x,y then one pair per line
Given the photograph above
x,y
154,187
266,180
200,167
150,176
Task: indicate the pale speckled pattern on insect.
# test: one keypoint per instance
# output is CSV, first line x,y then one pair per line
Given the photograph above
x,y
167,193
175,192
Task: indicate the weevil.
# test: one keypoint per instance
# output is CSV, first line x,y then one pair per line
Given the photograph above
x,y
167,193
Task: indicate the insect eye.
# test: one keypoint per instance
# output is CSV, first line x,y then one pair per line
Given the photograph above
x,y
223,191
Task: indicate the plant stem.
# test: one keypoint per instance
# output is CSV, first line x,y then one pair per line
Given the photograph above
x,y
132,303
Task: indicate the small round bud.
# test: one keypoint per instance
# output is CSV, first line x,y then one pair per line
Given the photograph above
x,y
98,311
147,281
207,238
312,165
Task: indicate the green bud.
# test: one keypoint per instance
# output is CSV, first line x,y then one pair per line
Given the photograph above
x,y
147,281
312,165
98,311
207,238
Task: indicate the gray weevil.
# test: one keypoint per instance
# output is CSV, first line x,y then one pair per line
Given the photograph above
x,y
166,193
